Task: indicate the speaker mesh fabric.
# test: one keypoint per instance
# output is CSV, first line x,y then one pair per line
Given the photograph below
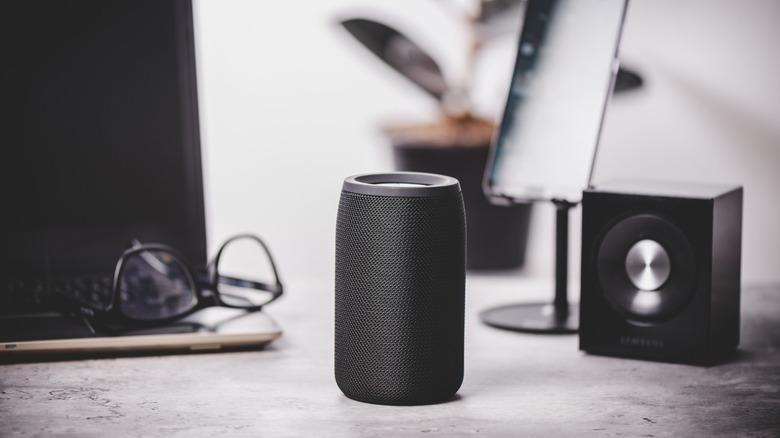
x,y
400,291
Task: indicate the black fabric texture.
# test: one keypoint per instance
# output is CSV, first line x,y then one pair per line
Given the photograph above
x,y
400,292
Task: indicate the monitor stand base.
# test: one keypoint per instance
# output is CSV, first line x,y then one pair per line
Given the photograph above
x,y
558,317
532,318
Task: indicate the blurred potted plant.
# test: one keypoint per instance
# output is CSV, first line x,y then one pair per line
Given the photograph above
x,y
458,144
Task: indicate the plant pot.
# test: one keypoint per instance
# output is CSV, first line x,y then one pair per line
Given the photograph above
x,y
496,235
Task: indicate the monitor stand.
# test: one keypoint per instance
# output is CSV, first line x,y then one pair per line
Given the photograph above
x,y
559,317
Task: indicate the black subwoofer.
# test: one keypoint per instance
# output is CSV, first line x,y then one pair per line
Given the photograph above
x,y
661,271
400,288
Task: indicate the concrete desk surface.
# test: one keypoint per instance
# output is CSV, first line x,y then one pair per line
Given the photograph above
x,y
515,384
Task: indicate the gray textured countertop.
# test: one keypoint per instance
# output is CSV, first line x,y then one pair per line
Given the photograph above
x,y
515,384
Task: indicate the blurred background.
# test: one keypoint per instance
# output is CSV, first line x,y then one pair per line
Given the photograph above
x,y
290,104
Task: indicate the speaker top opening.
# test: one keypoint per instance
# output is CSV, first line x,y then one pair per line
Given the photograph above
x,y
402,184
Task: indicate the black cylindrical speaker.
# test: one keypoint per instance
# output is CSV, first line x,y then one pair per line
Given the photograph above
x,y
400,288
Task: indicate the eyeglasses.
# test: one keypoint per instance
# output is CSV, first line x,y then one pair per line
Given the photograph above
x,y
155,284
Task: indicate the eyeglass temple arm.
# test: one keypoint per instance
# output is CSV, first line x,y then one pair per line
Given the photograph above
x,y
275,289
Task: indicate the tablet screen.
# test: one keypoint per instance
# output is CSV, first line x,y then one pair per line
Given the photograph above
x,y
563,77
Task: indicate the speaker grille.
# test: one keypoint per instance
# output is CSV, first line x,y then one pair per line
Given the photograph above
x,y
400,282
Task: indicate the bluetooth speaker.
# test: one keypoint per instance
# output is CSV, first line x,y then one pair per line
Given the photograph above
x,y
400,288
661,271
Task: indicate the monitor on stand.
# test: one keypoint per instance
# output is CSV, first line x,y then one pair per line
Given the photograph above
x,y
563,78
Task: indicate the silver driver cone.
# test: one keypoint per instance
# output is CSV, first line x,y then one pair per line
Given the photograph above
x,y
648,265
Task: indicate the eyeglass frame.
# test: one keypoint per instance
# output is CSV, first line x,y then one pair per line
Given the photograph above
x,y
113,311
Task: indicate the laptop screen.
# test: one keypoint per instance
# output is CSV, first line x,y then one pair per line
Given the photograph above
x,y
98,134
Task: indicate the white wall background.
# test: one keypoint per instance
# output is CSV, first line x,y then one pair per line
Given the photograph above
x,y
290,105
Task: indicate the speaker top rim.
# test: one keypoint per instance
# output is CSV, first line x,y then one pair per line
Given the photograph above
x,y
423,184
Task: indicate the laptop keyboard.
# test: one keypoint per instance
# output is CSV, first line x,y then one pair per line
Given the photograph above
x,y
37,295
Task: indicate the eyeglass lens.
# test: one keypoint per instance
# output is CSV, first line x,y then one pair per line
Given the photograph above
x,y
155,285
244,259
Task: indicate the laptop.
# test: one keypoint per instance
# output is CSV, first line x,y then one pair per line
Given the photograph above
x,y
100,147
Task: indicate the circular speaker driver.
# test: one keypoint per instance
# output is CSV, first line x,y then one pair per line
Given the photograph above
x,y
646,268
647,265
